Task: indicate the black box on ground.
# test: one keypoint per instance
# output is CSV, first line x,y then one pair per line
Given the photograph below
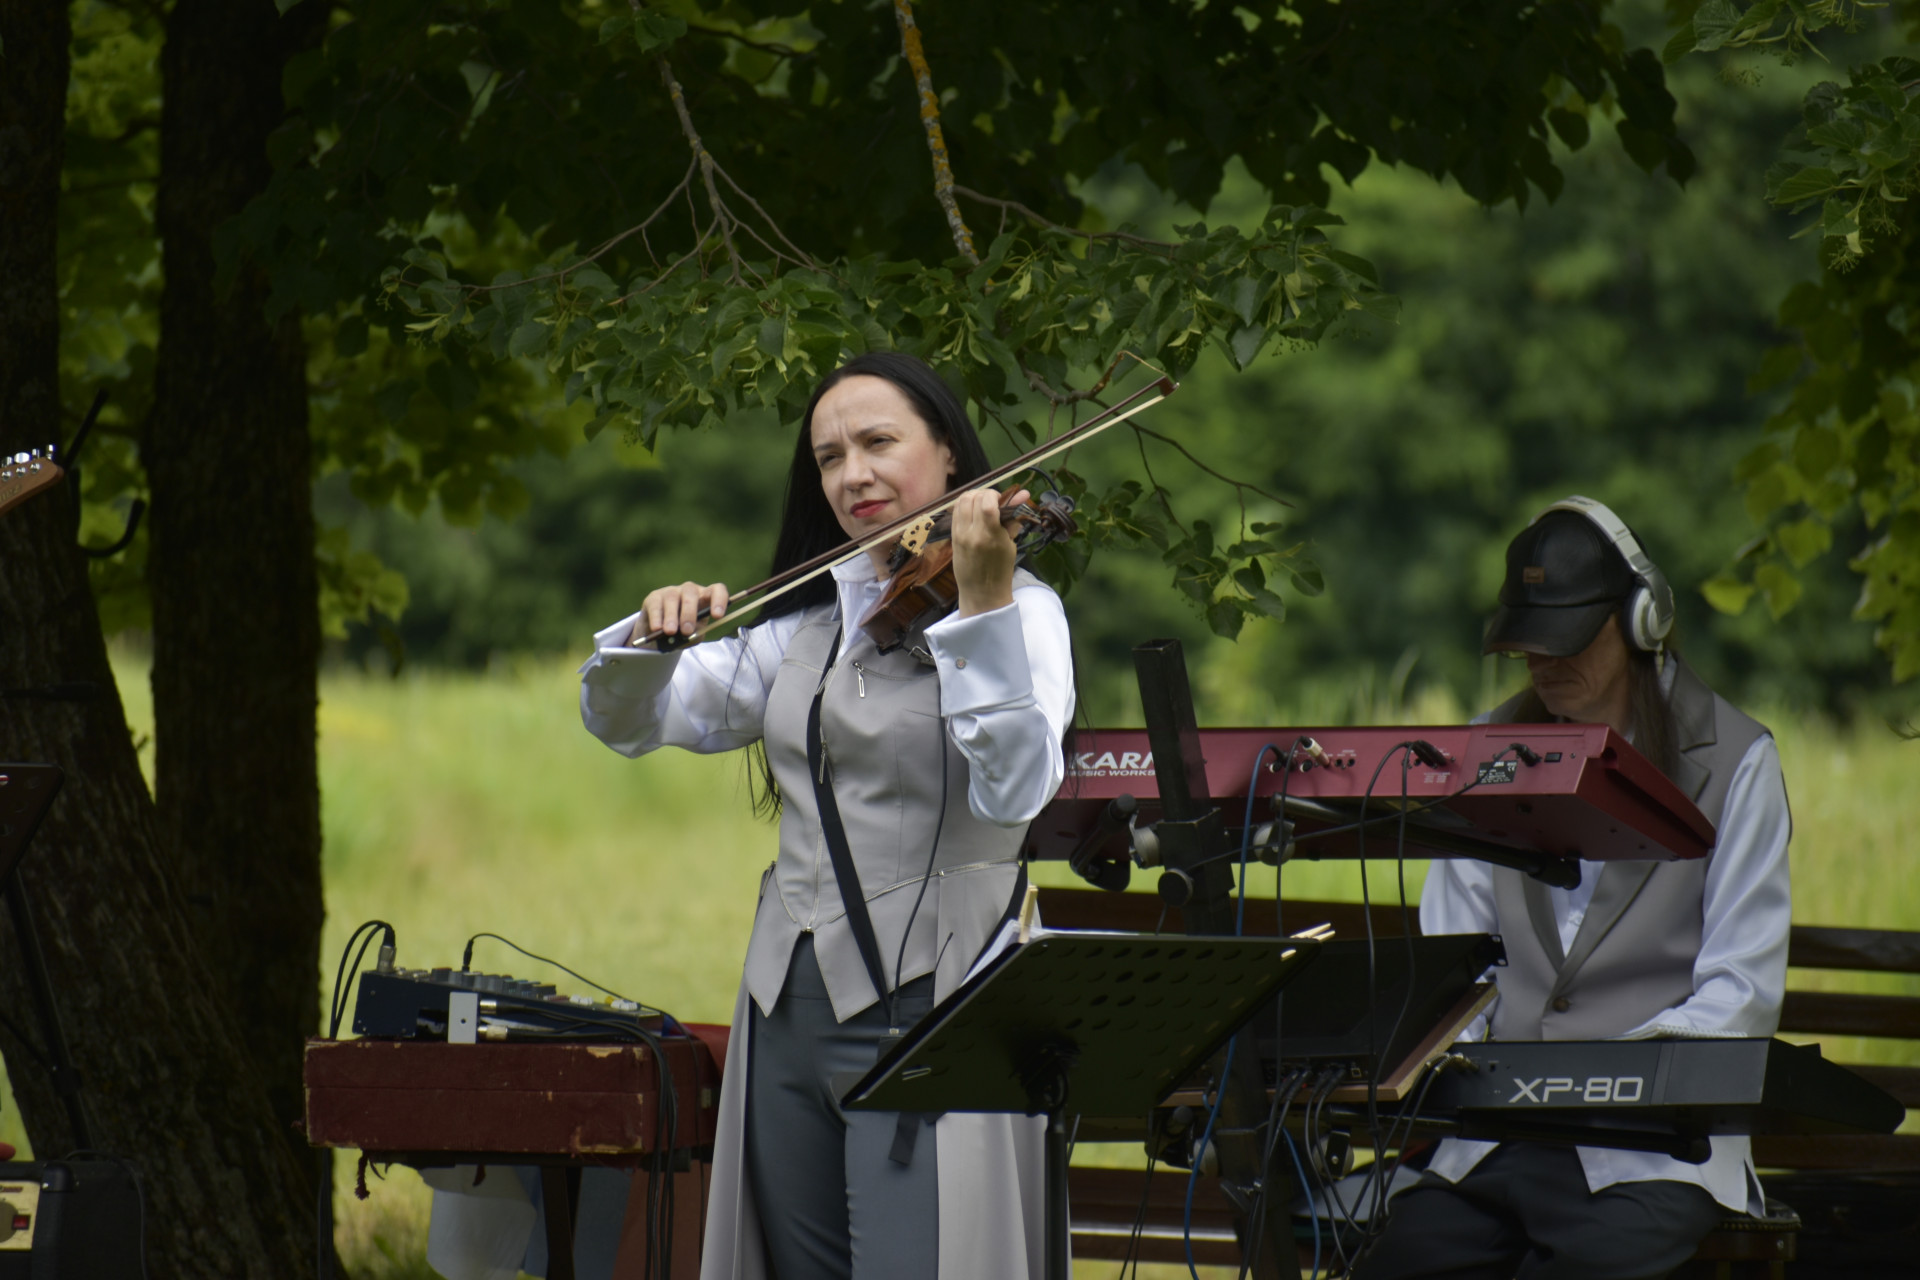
x,y
70,1220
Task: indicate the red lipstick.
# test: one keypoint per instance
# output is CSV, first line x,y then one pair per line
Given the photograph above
x,y
861,510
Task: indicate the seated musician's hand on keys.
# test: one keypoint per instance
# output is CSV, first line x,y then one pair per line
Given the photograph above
x,y
673,610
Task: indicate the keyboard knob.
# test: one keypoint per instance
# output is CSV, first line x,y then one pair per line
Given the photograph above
x,y
1176,888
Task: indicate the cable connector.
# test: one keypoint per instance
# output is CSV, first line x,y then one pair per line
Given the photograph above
x,y
1316,754
1528,756
1429,755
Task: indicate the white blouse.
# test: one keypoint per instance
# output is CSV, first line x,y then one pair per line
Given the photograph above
x,y
1006,690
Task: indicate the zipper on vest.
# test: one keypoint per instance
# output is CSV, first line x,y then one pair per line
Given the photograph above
x,y
860,679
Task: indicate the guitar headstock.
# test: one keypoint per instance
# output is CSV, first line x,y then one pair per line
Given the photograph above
x,y
24,474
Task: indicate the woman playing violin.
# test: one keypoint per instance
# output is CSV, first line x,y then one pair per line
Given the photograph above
x,y
933,756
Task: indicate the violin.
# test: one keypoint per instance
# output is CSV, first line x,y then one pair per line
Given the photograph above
x,y
928,519
921,588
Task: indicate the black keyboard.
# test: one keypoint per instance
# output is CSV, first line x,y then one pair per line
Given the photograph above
x,y
1677,1090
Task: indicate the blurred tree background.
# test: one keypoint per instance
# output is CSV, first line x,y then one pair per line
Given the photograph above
x,y
1600,344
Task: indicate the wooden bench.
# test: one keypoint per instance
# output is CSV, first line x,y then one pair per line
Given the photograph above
x,y
1106,1202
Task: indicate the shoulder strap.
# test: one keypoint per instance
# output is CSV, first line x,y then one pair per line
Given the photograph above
x,y
835,833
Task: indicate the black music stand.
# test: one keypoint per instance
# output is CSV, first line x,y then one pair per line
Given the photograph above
x,y
1083,1024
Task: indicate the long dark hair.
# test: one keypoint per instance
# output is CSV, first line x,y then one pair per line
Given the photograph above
x,y
808,525
1656,735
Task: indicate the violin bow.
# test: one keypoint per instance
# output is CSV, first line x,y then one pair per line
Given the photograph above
x,y
763,593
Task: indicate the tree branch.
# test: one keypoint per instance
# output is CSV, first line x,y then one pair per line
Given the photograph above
x,y
765,46
1158,492
765,217
704,159
1050,224
575,266
930,118
1058,398
988,411
699,243
1224,479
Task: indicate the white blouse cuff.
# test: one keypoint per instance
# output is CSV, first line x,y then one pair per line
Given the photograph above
x,y
626,672
982,661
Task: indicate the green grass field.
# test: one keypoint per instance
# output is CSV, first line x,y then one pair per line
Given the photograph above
x,y
459,803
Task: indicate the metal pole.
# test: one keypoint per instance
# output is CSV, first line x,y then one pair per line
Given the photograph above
x,y
1193,844
66,1080
1059,1213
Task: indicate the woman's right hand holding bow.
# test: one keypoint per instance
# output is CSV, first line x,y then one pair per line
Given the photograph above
x,y
676,610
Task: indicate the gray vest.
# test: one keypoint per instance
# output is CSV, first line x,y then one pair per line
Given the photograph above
x,y
1633,956
886,743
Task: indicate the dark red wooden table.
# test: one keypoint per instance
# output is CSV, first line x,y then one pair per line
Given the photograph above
x,y
561,1107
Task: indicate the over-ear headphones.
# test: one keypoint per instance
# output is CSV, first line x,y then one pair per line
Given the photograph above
x,y
1648,612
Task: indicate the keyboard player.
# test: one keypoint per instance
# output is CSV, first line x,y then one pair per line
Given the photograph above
x,y
1638,950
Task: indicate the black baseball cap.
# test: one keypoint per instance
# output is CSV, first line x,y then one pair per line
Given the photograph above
x,y
1565,578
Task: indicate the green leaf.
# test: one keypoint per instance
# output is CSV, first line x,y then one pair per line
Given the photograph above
x,y
528,338
1816,451
1713,23
1268,604
772,338
1779,586
1807,184
1225,618
655,30
1803,540
1242,297
1245,344
1841,135
615,26
1777,366
1769,491
1679,45
1570,125
724,353
1727,594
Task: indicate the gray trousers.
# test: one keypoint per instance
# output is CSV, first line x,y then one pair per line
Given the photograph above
x,y
832,1203
1524,1213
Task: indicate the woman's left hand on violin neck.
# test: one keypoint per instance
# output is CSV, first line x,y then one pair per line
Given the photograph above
x,y
984,553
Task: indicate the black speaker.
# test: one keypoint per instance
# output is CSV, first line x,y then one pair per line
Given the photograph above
x,y
70,1220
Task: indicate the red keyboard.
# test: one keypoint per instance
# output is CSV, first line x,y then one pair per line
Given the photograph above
x,y
1570,790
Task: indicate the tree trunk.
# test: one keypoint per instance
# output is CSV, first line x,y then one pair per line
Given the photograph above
x,y
236,627
167,1083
